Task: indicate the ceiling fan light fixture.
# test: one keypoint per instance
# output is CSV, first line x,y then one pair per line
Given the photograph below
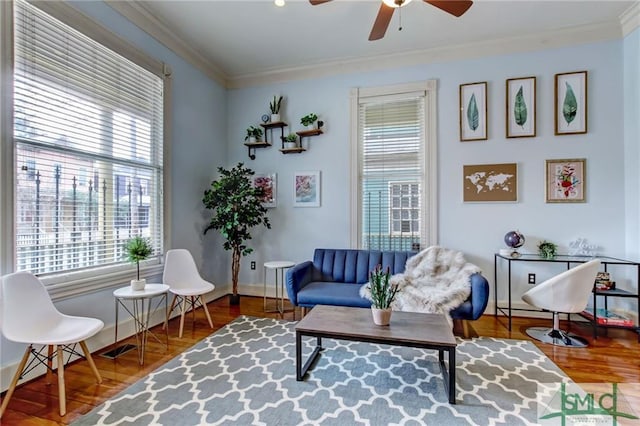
x,y
396,3
279,3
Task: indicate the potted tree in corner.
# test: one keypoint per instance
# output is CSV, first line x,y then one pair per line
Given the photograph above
x,y
237,207
137,249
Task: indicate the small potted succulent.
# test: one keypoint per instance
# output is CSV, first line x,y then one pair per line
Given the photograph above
x,y
547,250
253,134
308,120
382,295
291,141
274,107
137,249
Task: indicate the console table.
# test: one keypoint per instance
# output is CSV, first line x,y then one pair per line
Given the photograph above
x,y
501,260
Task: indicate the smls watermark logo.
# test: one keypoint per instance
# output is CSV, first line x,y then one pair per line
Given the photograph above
x,y
584,404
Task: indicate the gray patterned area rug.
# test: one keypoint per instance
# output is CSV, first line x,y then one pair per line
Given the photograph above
x,y
244,374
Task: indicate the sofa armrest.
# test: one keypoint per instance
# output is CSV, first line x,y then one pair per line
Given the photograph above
x,y
297,277
479,294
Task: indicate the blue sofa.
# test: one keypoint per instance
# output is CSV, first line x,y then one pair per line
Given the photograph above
x,y
335,276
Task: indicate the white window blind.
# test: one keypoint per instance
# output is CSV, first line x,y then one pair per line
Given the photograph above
x,y
88,133
391,176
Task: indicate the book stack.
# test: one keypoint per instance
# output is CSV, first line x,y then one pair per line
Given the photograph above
x,y
605,317
603,281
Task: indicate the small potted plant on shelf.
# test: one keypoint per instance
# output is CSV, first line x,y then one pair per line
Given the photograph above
x,y
547,250
382,295
253,134
291,141
308,120
137,249
274,106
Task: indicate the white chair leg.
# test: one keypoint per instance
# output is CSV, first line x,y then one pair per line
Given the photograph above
x,y
62,396
87,355
184,308
206,310
14,381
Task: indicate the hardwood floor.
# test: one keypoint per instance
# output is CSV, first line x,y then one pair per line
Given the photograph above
x,y
610,358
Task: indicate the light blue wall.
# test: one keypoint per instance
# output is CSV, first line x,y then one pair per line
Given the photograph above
x,y
476,229
632,141
198,134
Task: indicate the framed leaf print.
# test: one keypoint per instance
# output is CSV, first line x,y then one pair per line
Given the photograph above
x,y
571,103
473,111
566,180
521,107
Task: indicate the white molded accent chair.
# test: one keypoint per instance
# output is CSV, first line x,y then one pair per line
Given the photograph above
x,y
567,292
186,284
29,316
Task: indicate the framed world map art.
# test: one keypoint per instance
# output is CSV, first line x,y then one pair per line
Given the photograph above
x,y
490,182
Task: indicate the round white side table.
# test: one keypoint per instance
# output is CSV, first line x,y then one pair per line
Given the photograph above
x,y
278,266
138,312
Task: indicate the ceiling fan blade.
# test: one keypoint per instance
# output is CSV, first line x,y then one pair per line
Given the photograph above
x,y
455,7
316,2
382,22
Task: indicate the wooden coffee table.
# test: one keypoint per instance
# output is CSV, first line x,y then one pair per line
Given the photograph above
x,y
427,331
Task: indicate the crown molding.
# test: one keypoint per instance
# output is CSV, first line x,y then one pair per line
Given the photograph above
x,y
630,19
549,40
158,29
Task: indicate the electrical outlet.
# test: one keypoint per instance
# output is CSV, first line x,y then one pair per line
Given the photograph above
x,y
253,264
532,278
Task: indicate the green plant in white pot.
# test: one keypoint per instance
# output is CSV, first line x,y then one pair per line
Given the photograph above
x,y
308,120
138,249
274,107
253,134
383,293
291,141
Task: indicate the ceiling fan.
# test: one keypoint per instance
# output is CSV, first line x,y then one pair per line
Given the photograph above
x,y
455,7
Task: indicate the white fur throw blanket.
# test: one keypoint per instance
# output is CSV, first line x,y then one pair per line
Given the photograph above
x,y
436,280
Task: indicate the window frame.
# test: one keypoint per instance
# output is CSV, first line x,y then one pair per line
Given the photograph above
x,y
411,195
71,283
428,193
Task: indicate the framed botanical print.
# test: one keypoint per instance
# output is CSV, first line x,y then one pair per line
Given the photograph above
x,y
571,103
566,180
268,183
521,107
306,189
473,111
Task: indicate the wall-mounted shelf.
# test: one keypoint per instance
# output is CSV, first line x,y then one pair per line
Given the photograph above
x,y
252,146
312,132
297,150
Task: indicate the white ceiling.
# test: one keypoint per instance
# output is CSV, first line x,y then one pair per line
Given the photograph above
x,y
244,37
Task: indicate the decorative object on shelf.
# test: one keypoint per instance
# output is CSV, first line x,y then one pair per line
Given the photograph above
x,y
580,247
490,182
237,207
308,120
547,250
291,141
267,182
566,180
514,240
137,249
571,103
265,118
382,295
306,189
603,281
274,107
473,111
254,134
521,107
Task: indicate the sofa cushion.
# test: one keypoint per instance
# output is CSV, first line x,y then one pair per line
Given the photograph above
x,y
354,266
332,293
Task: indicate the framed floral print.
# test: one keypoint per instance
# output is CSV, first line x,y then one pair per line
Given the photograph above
x,y
306,189
566,180
571,103
268,183
473,111
521,107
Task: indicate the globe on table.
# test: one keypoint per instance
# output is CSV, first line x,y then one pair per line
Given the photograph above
x,y
514,239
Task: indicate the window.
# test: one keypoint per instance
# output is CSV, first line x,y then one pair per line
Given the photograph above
x,y
394,167
88,141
